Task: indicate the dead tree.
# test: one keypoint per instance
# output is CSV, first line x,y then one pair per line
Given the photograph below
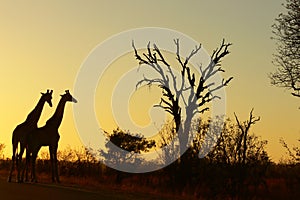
x,y
242,140
185,89
241,152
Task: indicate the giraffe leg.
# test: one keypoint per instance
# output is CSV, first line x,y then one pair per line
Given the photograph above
x,y
56,166
13,160
28,169
25,170
52,162
20,166
33,174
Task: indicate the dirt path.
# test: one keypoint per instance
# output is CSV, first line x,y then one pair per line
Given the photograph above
x,y
38,191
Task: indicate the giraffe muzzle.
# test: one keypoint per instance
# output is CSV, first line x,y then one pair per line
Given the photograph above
x,y
74,100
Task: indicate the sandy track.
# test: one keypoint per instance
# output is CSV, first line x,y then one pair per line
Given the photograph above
x,y
24,191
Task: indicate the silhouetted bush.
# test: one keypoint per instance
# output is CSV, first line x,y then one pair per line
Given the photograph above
x,y
221,174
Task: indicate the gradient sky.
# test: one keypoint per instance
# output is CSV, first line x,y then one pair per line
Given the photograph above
x,y
44,43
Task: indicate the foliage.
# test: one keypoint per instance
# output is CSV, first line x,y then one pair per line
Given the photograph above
x,y
210,177
2,147
286,30
79,162
237,161
228,148
168,142
132,143
294,153
123,147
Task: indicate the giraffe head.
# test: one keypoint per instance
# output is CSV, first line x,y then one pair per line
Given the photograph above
x,y
48,97
68,97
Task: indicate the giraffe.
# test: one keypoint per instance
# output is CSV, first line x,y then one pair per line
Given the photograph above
x,y
48,135
21,131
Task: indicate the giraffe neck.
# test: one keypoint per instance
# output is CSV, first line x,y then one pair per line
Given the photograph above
x,y
34,116
57,117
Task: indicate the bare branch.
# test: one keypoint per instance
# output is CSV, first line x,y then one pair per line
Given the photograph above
x,y
162,59
221,52
137,56
185,68
194,92
286,35
244,128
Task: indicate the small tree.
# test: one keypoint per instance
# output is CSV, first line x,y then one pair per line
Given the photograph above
x,y
244,128
166,136
239,158
2,147
286,30
131,145
294,153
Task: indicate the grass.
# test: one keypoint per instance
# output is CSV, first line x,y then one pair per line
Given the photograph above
x,y
97,186
277,188
281,184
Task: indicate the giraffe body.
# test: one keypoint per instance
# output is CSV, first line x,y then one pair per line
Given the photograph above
x,y
47,135
20,133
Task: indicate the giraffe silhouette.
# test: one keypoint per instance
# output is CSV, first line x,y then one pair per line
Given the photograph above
x,y
21,132
47,135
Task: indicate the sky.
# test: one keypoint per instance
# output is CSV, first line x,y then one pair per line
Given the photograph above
x,y
44,44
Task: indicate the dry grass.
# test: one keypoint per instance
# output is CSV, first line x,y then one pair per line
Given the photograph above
x,y
280,185
95,185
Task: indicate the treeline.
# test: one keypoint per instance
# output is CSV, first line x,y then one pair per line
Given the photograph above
x,y
236,167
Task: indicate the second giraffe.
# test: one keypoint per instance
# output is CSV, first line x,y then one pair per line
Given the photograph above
x,y
47,135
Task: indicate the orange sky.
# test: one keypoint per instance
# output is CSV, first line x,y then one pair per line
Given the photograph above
x,y
43,45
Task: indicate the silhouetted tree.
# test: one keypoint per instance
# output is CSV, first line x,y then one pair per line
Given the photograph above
x,y
294,153
166,136
3,163
131,144
185,89
242,139
291,167
286,30
194,92
237,160
2,147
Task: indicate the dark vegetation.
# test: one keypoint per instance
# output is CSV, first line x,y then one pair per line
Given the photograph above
x,y
237,167
286,34
221,160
